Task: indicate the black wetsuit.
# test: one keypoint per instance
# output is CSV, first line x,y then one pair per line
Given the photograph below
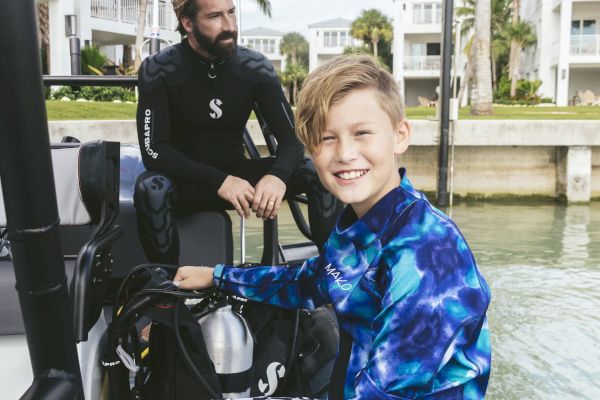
x,y
191,116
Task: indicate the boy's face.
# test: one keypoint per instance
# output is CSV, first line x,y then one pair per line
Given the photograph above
x,y
356,160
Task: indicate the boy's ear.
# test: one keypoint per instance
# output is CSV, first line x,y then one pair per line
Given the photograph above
x,y
402,137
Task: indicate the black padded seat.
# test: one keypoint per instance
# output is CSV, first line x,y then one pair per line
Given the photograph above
x,y
87,186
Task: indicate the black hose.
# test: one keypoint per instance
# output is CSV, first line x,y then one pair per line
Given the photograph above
x,y
130,274
292,355
186,355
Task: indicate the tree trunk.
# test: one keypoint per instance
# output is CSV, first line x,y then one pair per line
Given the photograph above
x,y
44,33
494,74
482,89
375,50
465,81
295,90
139,37
515,53
512,67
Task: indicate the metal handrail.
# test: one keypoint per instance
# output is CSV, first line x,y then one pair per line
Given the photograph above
x,y
90,80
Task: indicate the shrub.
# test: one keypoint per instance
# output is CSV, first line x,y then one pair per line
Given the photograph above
x,y
94,93
98,93
526,92
64,91
92,60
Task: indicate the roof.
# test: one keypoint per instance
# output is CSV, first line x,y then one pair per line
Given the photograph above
x,y
332,23
260,31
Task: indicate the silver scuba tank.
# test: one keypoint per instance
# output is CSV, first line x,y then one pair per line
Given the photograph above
x,y
229,343
228,338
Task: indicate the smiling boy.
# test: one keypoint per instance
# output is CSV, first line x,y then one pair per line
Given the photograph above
x,y
410,300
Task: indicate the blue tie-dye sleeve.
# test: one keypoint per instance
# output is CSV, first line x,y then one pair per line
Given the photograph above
x,y
430,339
287,287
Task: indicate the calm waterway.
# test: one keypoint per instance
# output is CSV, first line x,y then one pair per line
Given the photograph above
x,y
542,262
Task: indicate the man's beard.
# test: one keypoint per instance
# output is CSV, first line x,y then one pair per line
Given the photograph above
x,y
216,47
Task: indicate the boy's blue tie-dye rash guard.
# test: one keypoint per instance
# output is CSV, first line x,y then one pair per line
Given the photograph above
x,y
405,286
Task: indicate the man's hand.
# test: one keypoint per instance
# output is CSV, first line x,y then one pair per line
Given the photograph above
x,y
239,193
268,195
194,277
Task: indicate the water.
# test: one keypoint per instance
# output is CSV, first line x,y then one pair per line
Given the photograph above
x,y
542,263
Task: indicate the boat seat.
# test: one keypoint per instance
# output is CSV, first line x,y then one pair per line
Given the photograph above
x,y
87,187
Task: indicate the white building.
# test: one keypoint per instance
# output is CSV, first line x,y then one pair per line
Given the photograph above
x,y
110,24
567,56
328,39
266,41
417,48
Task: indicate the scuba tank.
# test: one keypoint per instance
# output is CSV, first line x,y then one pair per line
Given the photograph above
x,y
229,341
230,346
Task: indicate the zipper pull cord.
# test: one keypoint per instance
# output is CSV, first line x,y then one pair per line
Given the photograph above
x,y
212,72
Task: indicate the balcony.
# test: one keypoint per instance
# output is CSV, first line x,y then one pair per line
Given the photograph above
x,y
585,45
422,63
126,11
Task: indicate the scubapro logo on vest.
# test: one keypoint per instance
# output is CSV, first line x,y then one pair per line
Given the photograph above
x,y
214,105
275,370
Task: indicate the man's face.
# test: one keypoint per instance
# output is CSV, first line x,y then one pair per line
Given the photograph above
x,y
215,27
356,159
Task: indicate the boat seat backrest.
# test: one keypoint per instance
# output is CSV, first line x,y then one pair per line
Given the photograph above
x,y
80,183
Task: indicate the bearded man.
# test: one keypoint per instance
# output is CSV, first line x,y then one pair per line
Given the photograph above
x,y
194,101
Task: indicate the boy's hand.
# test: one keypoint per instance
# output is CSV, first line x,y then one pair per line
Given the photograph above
x,y
194,277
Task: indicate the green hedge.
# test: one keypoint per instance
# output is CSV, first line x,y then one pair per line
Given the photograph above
x,y
93,93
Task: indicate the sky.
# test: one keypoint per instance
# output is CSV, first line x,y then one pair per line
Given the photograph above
x,y
296,15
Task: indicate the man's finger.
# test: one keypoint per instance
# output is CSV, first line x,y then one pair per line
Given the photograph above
x,y
262,207
245,205
275,210
238,208
258,196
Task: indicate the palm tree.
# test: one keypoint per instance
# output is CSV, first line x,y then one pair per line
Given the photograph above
x,y
371,27
293,74
500,17
295,46
521,35
265,7
482,89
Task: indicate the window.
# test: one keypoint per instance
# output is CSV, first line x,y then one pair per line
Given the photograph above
x,y
433,49
335,38
344,38
584,27
427,13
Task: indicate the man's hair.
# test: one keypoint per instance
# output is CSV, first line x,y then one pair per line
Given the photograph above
x,y
185,8
331,82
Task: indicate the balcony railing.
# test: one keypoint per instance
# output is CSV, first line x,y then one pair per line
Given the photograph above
x,y
422,63
585,45
126,11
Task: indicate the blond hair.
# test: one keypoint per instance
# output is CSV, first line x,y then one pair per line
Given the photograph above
x,y
332,81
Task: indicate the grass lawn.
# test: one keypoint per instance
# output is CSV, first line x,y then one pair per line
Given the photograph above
x,y
504,112
70,110
62,110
